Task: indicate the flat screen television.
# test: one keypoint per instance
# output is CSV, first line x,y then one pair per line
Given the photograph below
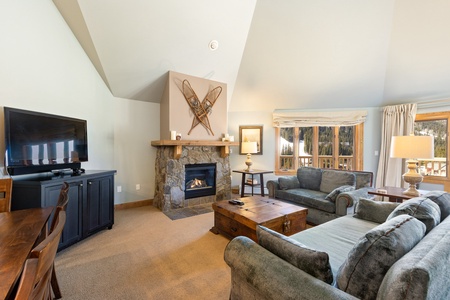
x,y
39,142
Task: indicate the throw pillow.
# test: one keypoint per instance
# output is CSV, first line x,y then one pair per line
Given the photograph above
x,y
421,208
363,179
316,263
341,189
332,179
309,178
372,256
374,211
442,199
288,182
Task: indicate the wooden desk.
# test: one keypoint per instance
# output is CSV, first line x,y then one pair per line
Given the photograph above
x,y
252,173
395,194
19,231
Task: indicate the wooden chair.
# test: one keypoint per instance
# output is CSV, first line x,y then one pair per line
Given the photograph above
x,y
61,205
5,194
35,282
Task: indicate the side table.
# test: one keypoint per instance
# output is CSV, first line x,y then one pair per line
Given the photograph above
x,y
394,194
252,173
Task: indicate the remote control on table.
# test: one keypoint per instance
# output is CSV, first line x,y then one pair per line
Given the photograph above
x,y
236,202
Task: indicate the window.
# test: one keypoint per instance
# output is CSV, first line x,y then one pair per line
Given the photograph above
x,y
333,147
435,170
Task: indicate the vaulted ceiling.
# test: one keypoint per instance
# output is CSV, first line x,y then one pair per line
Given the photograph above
x,y
273,54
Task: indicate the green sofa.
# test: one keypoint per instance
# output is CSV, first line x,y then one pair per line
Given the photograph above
x,y
384,251
327,193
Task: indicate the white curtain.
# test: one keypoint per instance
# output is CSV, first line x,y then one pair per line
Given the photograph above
x,y
397,120
295,118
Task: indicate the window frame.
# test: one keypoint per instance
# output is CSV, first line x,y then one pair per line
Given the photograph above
x,y
358,141
442,180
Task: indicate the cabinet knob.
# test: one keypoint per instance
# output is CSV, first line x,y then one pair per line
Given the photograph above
x,y
89,182
81,184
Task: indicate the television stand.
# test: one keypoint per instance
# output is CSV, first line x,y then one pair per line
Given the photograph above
x,y
91,200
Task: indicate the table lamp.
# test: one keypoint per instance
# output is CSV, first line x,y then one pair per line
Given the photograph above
x,y
249,148
412,147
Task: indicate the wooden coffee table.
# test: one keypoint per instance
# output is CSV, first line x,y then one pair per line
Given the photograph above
x,y
234,220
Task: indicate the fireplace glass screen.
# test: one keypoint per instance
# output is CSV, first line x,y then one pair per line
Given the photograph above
x,y
200,180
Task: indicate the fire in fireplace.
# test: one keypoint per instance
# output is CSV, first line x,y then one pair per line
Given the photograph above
x,y
200,180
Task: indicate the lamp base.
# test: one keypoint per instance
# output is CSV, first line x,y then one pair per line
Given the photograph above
x,y
249,163
412,178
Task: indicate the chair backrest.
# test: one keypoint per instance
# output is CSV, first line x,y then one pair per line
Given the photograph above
x,y
35,282
5,194
61,205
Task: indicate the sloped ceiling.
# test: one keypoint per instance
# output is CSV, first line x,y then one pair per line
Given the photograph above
x,y
134,43
290,54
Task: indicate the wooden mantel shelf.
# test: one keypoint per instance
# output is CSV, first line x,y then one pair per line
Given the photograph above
x,y
178,145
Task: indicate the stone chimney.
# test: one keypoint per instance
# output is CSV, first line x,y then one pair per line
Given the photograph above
x,y
176,114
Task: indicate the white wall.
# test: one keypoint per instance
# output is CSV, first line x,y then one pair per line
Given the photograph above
x,y
43,68
136,123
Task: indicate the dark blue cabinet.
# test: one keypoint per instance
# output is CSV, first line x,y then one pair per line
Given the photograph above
x,y
91,201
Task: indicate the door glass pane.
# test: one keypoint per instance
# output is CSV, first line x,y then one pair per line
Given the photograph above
x,y
326,147
287,149
305,146
346,147
437,128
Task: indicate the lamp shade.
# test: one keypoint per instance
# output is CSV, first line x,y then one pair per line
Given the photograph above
x,y
412,146
249,147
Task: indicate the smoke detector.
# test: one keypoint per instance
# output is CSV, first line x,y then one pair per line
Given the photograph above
x,y
213,45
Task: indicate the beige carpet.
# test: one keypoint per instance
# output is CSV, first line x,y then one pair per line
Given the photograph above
x,y
147,256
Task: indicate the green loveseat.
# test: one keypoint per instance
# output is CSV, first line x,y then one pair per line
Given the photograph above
x,y
327,193
384,251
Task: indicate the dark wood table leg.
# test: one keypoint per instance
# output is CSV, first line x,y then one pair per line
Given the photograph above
x,y
262,184
252,184
243,185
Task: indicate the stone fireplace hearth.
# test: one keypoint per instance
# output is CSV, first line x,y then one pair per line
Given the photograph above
x,y
170,174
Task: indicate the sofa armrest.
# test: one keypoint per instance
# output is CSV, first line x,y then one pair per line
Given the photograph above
x,y
272,186
256,273
348,199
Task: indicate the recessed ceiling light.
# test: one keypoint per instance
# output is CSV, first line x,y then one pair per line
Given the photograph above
x,y
213,45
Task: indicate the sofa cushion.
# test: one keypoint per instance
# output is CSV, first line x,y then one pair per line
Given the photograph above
x,y
308,198
419,274
341,189
369,260
375,211
421,208
332,179
316,263
442,199
288,182
309,178
363,179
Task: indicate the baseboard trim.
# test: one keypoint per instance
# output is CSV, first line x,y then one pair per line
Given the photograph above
x,y
133,204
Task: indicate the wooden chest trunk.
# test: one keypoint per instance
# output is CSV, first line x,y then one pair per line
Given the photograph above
x,y
234,220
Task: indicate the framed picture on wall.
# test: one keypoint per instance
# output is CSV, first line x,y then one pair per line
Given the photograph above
x,y
251,133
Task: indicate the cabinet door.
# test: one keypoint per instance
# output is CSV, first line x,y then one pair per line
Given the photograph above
x,y
99,204
72,229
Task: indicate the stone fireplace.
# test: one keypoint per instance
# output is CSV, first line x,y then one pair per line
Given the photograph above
x,y
173,159
197,145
